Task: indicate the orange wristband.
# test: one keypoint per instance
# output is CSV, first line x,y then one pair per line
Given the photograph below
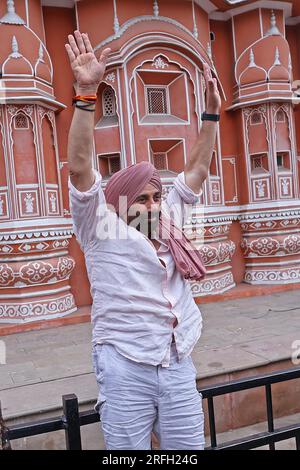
x,y
86,99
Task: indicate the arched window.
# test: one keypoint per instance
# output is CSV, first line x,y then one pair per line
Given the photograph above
x,y
256,118
21,121
108,102
280,116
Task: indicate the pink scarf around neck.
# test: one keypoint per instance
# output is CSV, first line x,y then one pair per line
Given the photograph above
x,y
130,182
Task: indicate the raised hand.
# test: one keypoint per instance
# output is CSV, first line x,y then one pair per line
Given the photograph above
x,y
87,69
213,99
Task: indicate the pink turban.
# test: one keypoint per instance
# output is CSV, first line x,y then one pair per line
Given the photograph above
x,y
130,182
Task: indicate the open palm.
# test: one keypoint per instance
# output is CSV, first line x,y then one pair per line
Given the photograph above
x,y
87,69
213,99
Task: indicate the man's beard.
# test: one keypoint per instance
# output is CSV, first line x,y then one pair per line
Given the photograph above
x,y
145,223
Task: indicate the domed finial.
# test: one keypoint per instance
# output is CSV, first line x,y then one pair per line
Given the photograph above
x,y
41,53
11,17
195,29
15,49
290,65
116,19
277,57
155,8
273,31
252,60
209,51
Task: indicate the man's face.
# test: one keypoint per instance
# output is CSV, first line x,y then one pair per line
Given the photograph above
x,y
144,213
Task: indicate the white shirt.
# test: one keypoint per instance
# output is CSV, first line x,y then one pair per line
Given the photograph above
x,y
135,298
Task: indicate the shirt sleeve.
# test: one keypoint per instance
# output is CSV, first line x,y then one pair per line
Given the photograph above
x,y
181,198
85,207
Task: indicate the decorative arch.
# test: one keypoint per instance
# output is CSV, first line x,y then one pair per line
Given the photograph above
x,y
107,107
155,58
147,19
49,152
23,140
188,46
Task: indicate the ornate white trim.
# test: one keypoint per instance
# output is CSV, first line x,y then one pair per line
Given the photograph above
x,y
269,246
219,253
48,234
213,286
110,77
274,276
36,272
249,217
159,63
140,19
39,310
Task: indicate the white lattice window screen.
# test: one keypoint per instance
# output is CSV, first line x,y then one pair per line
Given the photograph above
x,y
257,162
157,100
114,164
160,161
109,102
280,116
256,118
21,121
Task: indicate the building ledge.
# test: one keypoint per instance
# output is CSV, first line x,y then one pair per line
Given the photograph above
x,y
49,102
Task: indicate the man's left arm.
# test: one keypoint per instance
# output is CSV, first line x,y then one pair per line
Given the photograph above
x,y
196,170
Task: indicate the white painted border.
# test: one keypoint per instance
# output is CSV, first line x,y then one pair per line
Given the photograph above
x,y
57,212
20,295
232,160
31,214
5,215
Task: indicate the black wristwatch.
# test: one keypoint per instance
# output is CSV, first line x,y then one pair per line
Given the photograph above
x,y
210,117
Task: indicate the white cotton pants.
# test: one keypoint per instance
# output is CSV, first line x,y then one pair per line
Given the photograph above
x,y
136,399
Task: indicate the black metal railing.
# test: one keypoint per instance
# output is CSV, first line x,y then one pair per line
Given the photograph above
x,y
72,420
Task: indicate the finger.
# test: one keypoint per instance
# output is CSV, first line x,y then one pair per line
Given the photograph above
x,y
80,42
104,55
211,84
87,42
216,84
205,68
71,54
73,45
208,74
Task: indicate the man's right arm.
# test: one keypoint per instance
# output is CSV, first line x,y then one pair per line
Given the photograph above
x,y
88,73
80,149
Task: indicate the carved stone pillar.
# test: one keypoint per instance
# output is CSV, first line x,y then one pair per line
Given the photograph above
x,y
211,237
271,246
35,265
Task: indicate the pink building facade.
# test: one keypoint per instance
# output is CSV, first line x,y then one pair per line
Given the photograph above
x,y
247,225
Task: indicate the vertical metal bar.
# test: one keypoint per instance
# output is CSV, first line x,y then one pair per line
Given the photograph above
x,y
270,413
297,441
4,442
71,422
212,422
